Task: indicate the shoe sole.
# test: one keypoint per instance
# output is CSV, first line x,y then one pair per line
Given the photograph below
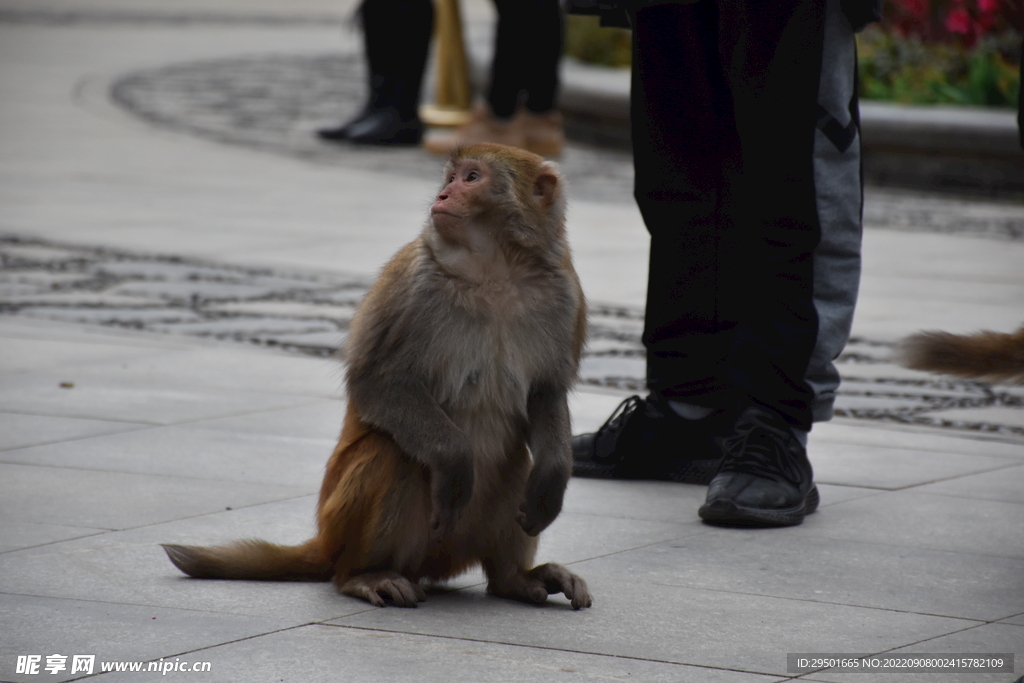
x,y
728,513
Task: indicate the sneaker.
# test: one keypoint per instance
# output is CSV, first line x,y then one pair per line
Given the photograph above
x,y
765,478
643,439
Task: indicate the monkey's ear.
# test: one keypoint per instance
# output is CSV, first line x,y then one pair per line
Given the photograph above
x,y
545,186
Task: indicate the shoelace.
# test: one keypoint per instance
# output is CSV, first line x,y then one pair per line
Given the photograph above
x,y
761,449
619,417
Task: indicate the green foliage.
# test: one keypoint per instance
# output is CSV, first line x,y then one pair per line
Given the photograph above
x,y
588,42
908,70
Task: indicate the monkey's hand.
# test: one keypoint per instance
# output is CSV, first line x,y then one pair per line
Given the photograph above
x,y
535,585
451,486
558,579
544,494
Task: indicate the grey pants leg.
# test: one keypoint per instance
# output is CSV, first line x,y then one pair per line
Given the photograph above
x,y
839,197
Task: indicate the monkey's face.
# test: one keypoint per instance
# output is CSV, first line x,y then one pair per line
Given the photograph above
x,y
465,197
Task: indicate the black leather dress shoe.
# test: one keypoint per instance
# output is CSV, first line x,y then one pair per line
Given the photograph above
x,y
339,134
386,127
383,126
644,439
765,478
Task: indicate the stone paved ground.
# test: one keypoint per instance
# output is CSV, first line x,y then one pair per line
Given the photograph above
x,y
309,313
166,303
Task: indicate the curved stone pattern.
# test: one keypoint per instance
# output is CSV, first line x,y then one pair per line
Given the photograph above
x,y
309,313
277,102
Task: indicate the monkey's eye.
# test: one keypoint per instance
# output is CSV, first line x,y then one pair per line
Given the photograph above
x,y
472,175
451,178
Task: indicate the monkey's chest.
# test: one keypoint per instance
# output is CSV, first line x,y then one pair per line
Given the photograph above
x,y
492,368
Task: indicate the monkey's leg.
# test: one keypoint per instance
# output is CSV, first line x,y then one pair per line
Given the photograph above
x,y
374,586
374,514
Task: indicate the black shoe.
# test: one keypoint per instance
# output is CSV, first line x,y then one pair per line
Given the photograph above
x,y
386,127
644,439
765,478
341,133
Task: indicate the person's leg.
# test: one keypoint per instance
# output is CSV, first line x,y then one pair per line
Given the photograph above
x,y
753,209
798,204
527,49
839,199
683,141
755,226
683,138
774,81
396,37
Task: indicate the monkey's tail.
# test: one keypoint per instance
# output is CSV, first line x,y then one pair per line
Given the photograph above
x,y
992,356
253,561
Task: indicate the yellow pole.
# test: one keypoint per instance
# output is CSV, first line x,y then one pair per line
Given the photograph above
x,y
453,96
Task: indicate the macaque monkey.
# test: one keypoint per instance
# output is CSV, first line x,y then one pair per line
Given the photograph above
x,y
455,449
992,356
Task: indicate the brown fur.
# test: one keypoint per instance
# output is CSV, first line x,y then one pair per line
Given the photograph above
x,y
455,449
991,356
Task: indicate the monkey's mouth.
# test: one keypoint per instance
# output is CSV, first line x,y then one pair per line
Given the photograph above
x,y
443,212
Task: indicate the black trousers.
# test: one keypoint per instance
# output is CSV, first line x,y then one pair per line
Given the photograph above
x,y
527,49
746,150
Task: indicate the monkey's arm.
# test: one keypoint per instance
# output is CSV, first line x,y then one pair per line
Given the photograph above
x,y
550,444
402,407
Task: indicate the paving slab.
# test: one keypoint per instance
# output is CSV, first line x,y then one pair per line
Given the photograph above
x,y
984,638
895,468
927,521
17,535
1005,485
635,616
190,452
130,567
135,400
31,354
18,430
116,500
111,632
784,564
908,437
640,500
316,420
324,653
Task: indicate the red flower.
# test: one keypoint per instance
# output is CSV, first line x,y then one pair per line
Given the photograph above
x,y
918,8
958,21
988,6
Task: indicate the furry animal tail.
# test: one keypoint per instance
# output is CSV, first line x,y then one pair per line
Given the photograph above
x,y
992,356
252,560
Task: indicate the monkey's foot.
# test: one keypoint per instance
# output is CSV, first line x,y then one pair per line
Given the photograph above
x,y
375,586
536,584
